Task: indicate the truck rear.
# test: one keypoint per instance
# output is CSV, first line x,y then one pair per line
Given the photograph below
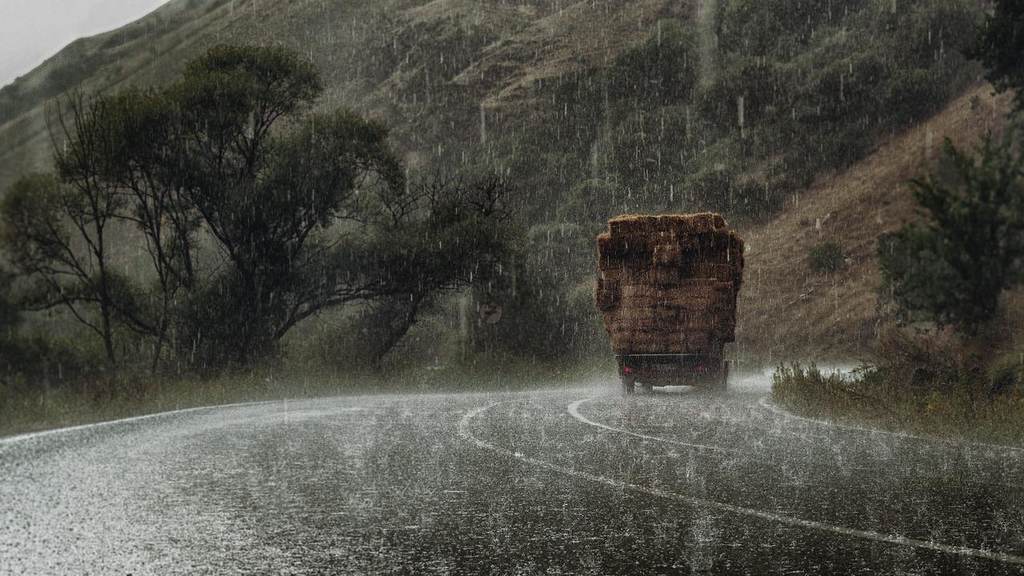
x,y
667,289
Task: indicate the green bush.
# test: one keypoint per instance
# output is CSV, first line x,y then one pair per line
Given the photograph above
x,y
1006,375
827,257
953,267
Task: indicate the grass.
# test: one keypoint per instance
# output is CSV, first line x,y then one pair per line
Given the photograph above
x,y
875,397
35,409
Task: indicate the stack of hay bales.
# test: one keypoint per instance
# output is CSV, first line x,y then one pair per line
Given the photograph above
x,y
668,284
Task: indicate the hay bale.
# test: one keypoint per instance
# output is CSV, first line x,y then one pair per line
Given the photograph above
x,y
645,225
608,294
668,283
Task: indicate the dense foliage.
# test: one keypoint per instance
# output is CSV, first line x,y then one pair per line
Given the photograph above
x,y
1001,47
737,113
253,214
954,267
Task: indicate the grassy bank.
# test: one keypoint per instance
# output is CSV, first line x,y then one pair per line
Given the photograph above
x,y
35,408
963,406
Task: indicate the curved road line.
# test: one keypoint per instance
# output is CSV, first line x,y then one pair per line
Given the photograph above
x,y
770,406
574,411
466,435
105,423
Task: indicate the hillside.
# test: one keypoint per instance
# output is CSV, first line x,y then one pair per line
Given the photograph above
x,y
597,107
786,310
420,64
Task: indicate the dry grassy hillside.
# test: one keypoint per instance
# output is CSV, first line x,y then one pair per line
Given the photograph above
x,y
786,311
427,66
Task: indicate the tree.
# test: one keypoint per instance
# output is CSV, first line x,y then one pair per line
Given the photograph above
x,y
10,350
274,187
128,146
953,268
9,315
302,211
147,170
440,236
1000,47
44,223
117,159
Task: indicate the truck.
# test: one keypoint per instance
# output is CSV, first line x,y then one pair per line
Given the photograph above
x,y
666,288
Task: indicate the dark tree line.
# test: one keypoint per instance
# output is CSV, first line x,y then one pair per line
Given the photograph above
x,y
253,212
1000,47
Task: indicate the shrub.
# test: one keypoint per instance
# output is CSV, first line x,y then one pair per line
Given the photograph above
x,y
953,268
809,390
923,380
826,258
924,359
1006,374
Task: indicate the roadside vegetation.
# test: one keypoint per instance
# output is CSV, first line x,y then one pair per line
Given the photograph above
x,y
232,218
188,238
186,231
47,404
947,365
922,382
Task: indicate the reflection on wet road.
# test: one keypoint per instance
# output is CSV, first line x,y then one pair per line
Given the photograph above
x,y
578,481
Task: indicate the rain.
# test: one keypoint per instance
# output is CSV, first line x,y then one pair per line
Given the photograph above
x,y
512,287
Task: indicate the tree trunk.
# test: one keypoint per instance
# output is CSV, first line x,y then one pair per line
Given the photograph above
x,y
159,345
108,336
397,332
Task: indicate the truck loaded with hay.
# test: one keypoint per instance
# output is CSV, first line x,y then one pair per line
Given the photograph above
x,y
667,291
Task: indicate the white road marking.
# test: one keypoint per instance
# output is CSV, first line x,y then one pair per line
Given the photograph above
x,y
466,435
574,411
106,423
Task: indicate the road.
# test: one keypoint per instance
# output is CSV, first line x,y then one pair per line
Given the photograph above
x,y
559,481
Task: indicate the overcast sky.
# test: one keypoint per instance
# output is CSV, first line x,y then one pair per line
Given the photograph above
x,y
33,30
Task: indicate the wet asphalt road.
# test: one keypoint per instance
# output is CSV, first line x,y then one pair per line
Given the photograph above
x,y
563,481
